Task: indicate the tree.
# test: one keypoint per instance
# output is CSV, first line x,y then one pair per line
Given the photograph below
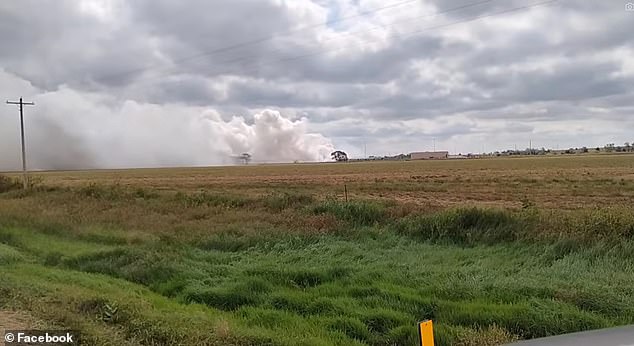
x,y
339,156
246,158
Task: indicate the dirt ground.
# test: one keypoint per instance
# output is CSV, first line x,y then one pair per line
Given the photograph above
x,y
16,320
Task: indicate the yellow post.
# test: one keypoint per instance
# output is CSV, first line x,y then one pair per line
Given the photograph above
x,y
426,330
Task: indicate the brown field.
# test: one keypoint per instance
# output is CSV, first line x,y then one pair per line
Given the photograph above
x,y
492,250
566,182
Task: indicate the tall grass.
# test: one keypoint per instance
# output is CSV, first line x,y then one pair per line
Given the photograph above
x,y
220,268
467,226
281,201
569,230
357,213
8,184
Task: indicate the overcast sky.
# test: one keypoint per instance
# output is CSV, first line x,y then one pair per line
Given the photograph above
x,y
159,83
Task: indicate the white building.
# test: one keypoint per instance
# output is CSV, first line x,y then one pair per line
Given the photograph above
x,y
429,155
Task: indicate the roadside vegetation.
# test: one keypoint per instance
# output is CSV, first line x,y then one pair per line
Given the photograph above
x,y
128,264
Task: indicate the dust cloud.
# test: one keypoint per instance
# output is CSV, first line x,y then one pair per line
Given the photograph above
x,y
73,130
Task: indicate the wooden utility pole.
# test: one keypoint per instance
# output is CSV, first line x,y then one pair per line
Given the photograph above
x,y
22,104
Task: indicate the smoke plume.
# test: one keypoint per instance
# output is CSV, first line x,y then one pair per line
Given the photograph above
x,y
72,130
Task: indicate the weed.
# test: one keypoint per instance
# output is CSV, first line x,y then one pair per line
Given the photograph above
x,y
110,313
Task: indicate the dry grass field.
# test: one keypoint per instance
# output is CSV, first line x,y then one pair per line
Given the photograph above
x,y
492,250
567,182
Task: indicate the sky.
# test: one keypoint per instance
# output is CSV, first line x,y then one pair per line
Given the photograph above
x,y
153,83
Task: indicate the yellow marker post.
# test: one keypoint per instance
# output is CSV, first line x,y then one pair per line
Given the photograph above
x,y
426,331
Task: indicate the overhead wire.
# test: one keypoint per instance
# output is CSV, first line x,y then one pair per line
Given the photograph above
x,y
258,65
261,39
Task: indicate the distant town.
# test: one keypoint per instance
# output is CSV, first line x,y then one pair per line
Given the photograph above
x,y
445,155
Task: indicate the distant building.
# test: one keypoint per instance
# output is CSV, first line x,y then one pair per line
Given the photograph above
x,y
429,155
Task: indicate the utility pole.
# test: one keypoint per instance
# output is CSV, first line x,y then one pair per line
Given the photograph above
x,y
22,104
434,144
530,147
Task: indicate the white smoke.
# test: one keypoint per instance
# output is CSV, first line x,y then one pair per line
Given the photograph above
x,y
73,130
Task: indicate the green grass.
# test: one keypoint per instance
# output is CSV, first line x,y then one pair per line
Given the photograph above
x,y
291,268
334,290
356,213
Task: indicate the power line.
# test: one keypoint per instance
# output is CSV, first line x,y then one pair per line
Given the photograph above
x,y
22,104
402,35
375,27
413,33
264,39
240,59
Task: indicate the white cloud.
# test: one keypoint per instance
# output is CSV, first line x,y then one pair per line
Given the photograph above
x,y
138,83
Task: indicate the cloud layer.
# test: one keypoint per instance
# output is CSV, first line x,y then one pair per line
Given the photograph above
x,y
141,83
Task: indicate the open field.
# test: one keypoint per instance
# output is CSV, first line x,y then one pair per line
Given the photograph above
x,y
492,250
560,182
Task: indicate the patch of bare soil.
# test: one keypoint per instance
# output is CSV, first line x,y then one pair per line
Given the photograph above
x,y
16,320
